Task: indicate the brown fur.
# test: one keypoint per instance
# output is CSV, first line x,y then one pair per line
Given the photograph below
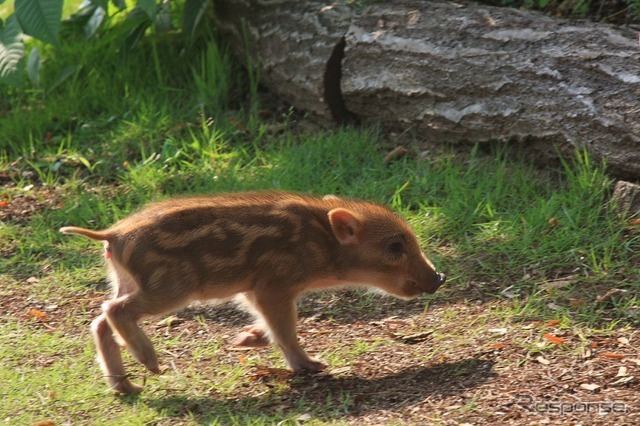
x,y
267,247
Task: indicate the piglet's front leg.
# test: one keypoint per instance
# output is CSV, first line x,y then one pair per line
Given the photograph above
x,y
278,311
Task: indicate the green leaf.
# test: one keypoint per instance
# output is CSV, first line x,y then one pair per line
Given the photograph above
x,y
97,3
94,22
138,21
11,50
120,4
150,8
163,22
33,67
193,12
64,76
40,18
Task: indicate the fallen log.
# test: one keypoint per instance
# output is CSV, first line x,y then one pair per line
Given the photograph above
x,y
452,71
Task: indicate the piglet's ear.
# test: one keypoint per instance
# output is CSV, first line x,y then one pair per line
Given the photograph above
x,y
345,225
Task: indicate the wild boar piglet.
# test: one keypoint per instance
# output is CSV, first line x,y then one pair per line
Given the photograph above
x,y
265,248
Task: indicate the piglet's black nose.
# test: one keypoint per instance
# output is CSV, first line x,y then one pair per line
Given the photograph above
x,y
441,279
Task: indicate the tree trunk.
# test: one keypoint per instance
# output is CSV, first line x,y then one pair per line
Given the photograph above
x,y
453,71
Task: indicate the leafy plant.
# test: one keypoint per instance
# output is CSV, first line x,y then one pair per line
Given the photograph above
x,y
42,20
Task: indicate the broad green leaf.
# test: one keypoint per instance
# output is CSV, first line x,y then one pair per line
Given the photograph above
x,y
90,15
104,4
33,67
40,18
83,12
64,76
136,35
11,49
193,12
139,22
163,22
120,4
94,23
150,8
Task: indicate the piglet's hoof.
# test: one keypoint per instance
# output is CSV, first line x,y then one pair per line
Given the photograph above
x,y
153,367
252,337
309,365
124,386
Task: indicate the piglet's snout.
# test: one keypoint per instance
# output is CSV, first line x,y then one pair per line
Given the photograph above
x,y
431,280
440,280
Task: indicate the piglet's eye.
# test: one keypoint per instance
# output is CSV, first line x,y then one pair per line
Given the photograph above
x,y
396,248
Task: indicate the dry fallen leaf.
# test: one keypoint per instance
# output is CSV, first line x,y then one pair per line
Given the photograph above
x,y
623,340
554,322
542,360
169,321
589,386
262,371
610,295
43,423
586,353
4,204
554,339
413,338
510,294
574,303
498,346
340,370
554,307
395,154
622,381
622,372
304,417
242,359
558,283
39,315
612,355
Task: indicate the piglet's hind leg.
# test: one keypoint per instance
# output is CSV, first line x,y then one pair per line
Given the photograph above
x,y
123,315
110,359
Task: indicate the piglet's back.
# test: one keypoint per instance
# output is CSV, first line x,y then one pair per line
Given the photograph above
x,y
227,237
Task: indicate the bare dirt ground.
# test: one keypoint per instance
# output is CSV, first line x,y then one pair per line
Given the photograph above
x,y
453,364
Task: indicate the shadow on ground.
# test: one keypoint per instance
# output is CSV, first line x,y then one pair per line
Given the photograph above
x,y
331,397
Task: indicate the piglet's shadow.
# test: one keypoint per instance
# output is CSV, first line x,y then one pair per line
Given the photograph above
x,y
330,397
342,306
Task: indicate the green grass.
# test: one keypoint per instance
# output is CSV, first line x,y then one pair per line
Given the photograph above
x,y
162,121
